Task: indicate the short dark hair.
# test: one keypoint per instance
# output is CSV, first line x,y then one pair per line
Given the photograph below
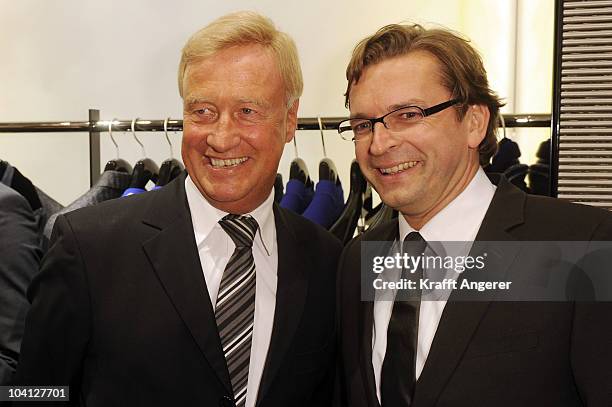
x,y
461,67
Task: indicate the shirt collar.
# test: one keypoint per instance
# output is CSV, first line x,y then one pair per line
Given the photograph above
x,y
461,218
206,217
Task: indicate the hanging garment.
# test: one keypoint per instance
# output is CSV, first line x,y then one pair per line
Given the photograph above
x,y
278,188
20,254
133,191
508,154
145,171
344,227
297,196
41,204
379,215
110,186
506,162
169,170
539,173
327,203
516,175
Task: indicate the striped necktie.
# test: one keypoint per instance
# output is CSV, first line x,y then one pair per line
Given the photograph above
x,y
235,307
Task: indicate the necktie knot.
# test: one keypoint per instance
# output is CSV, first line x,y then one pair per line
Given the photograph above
x,y
414,237
241,229
414,243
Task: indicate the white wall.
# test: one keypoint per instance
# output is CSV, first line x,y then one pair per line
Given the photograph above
x,y
60,58
534,70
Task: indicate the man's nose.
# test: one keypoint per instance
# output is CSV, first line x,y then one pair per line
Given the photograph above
x,y
224,136
382,139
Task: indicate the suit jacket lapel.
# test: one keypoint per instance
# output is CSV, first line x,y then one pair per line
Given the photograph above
x,y
365,354
174,257
461,318
291,291
387,232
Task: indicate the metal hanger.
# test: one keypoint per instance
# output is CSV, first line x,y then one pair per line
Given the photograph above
x,y
145,169
327,168
298,169
117,164
171,168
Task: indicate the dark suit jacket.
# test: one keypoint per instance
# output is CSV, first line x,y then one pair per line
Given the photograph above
x,y
20,255
120,310
495,353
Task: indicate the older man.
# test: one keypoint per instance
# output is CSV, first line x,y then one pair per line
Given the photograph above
x,y
204,293
423,120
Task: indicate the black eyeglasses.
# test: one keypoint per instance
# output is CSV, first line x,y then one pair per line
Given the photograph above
x,y
357,129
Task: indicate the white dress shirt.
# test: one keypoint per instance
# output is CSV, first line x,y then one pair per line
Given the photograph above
x,y
215,248
459,221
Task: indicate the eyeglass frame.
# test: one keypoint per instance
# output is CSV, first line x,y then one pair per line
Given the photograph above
x,y
425,112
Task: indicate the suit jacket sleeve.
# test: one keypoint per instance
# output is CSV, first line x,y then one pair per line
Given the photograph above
x,y
339,388
58,323
591,352
19,260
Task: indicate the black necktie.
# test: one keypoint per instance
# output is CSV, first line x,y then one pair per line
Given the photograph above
x,y
235,308
398,376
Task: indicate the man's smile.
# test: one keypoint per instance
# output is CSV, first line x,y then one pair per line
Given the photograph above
x,y
230,162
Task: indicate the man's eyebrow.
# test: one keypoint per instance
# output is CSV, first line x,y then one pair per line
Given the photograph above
x,y
359,116
190,101
257,102
395,106
410,102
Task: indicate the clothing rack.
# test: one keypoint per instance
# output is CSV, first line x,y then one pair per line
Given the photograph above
x,y
94,126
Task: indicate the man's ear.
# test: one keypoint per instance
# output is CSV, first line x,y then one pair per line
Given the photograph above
x,y
477,117
292,121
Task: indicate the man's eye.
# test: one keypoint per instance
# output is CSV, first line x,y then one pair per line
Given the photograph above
x,y
247,111
204,114
410,115
362,127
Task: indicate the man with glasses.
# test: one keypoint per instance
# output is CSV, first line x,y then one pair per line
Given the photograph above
x,y
423,120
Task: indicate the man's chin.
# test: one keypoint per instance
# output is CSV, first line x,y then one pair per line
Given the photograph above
x,y
396,201
234,202
224,197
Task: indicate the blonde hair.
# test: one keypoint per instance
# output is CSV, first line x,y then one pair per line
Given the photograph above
x,y
245,28
461,67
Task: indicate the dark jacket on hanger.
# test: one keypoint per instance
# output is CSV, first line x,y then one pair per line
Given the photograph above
x,y
508,154
41,204
506,162
20,255
539,173
279,188
110,186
